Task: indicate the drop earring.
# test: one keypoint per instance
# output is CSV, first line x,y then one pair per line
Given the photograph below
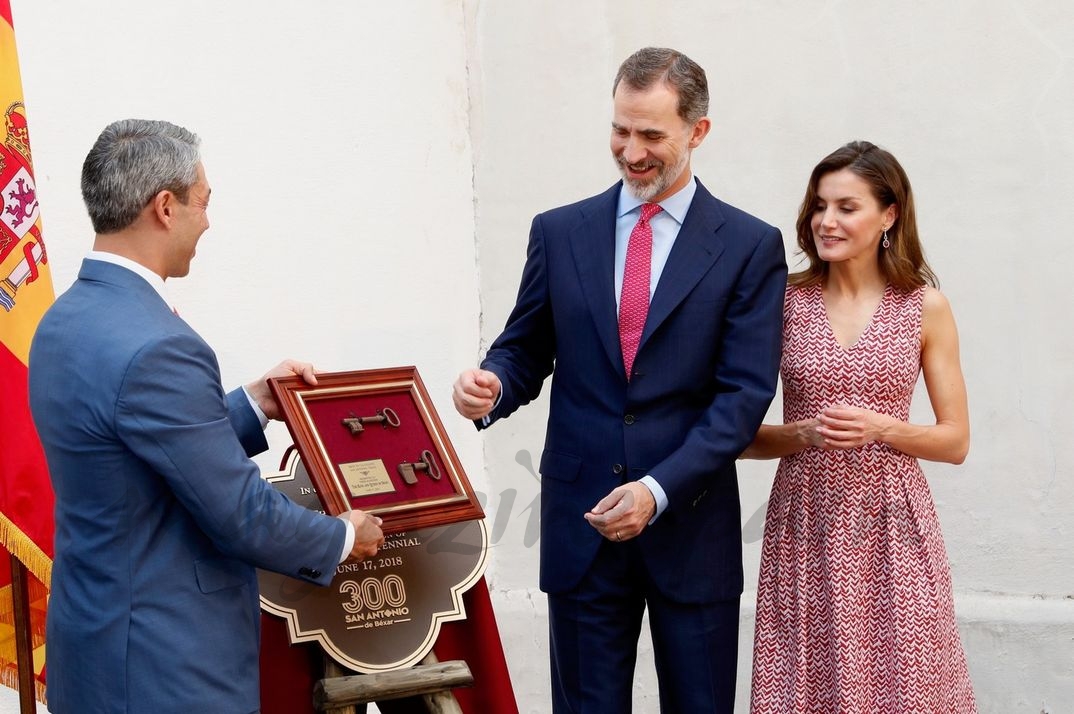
x,y
885,242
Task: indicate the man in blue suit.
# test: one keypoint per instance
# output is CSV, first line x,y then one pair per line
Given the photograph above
x,y
161,517
657,309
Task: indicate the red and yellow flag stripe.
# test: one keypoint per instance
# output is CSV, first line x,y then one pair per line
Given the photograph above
x,y
25,293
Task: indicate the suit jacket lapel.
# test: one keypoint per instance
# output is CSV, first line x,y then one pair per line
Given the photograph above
x,y
593,245
696,248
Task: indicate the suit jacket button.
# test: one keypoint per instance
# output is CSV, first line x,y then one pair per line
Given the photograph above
x,y
617,469
628,419
309,572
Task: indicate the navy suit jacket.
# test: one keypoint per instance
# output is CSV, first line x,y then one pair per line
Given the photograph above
x,y
161,517
704,376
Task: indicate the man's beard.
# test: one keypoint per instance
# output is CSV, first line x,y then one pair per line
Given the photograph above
x,y
648,190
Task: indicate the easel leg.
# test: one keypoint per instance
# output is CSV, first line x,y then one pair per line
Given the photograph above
x,y
24,649
332,669
440,702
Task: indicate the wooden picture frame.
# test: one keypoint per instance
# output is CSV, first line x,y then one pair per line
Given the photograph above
x,y
372,440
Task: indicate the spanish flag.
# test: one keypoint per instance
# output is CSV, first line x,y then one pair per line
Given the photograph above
x,y
25,293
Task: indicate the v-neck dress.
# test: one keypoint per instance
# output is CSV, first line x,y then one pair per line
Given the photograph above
x,y
854,607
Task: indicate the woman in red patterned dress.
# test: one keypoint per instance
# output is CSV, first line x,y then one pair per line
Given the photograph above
x,y
854,607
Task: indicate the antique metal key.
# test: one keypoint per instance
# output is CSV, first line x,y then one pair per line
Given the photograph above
x,y
408,470
386,417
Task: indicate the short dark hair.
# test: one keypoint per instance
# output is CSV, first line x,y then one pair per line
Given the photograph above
x,y
654,64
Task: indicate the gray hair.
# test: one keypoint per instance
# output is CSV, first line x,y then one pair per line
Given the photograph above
x,y
650,65
132,161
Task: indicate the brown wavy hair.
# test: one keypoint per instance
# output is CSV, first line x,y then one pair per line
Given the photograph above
x,y
903,264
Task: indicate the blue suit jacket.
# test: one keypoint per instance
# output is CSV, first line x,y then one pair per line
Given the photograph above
x,y
704,376
161,517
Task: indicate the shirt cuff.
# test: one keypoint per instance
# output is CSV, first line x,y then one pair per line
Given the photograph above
x,y
487,419
658,494
257,410
348,540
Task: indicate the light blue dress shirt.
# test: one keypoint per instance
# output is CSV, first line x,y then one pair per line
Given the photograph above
x,y
665,225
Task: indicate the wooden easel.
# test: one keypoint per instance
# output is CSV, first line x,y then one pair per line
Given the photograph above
x,y
432,680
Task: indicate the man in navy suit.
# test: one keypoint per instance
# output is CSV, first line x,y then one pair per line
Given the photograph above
x,y
161,517
651,402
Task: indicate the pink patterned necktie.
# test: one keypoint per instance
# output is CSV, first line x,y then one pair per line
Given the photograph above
x,y
634,300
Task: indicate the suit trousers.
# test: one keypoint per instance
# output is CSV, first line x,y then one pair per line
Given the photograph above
x,y
594,633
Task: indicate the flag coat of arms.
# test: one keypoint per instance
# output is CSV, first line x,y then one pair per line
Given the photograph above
x,y
25,293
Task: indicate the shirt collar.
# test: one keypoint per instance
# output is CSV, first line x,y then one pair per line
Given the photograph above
x,y
676,205
155,281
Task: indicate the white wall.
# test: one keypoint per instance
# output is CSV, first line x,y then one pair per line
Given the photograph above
x,y
335,137
976,100
399,150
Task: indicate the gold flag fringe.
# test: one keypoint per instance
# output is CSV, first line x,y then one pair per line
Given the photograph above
x,y
22,547
9,677
40,566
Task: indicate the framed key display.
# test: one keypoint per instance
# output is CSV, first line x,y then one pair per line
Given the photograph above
x,y
372,440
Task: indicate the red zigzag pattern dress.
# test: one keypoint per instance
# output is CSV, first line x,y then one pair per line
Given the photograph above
x,y
854,608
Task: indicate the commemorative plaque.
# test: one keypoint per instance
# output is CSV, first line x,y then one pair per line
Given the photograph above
x,y
372,440
385,612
